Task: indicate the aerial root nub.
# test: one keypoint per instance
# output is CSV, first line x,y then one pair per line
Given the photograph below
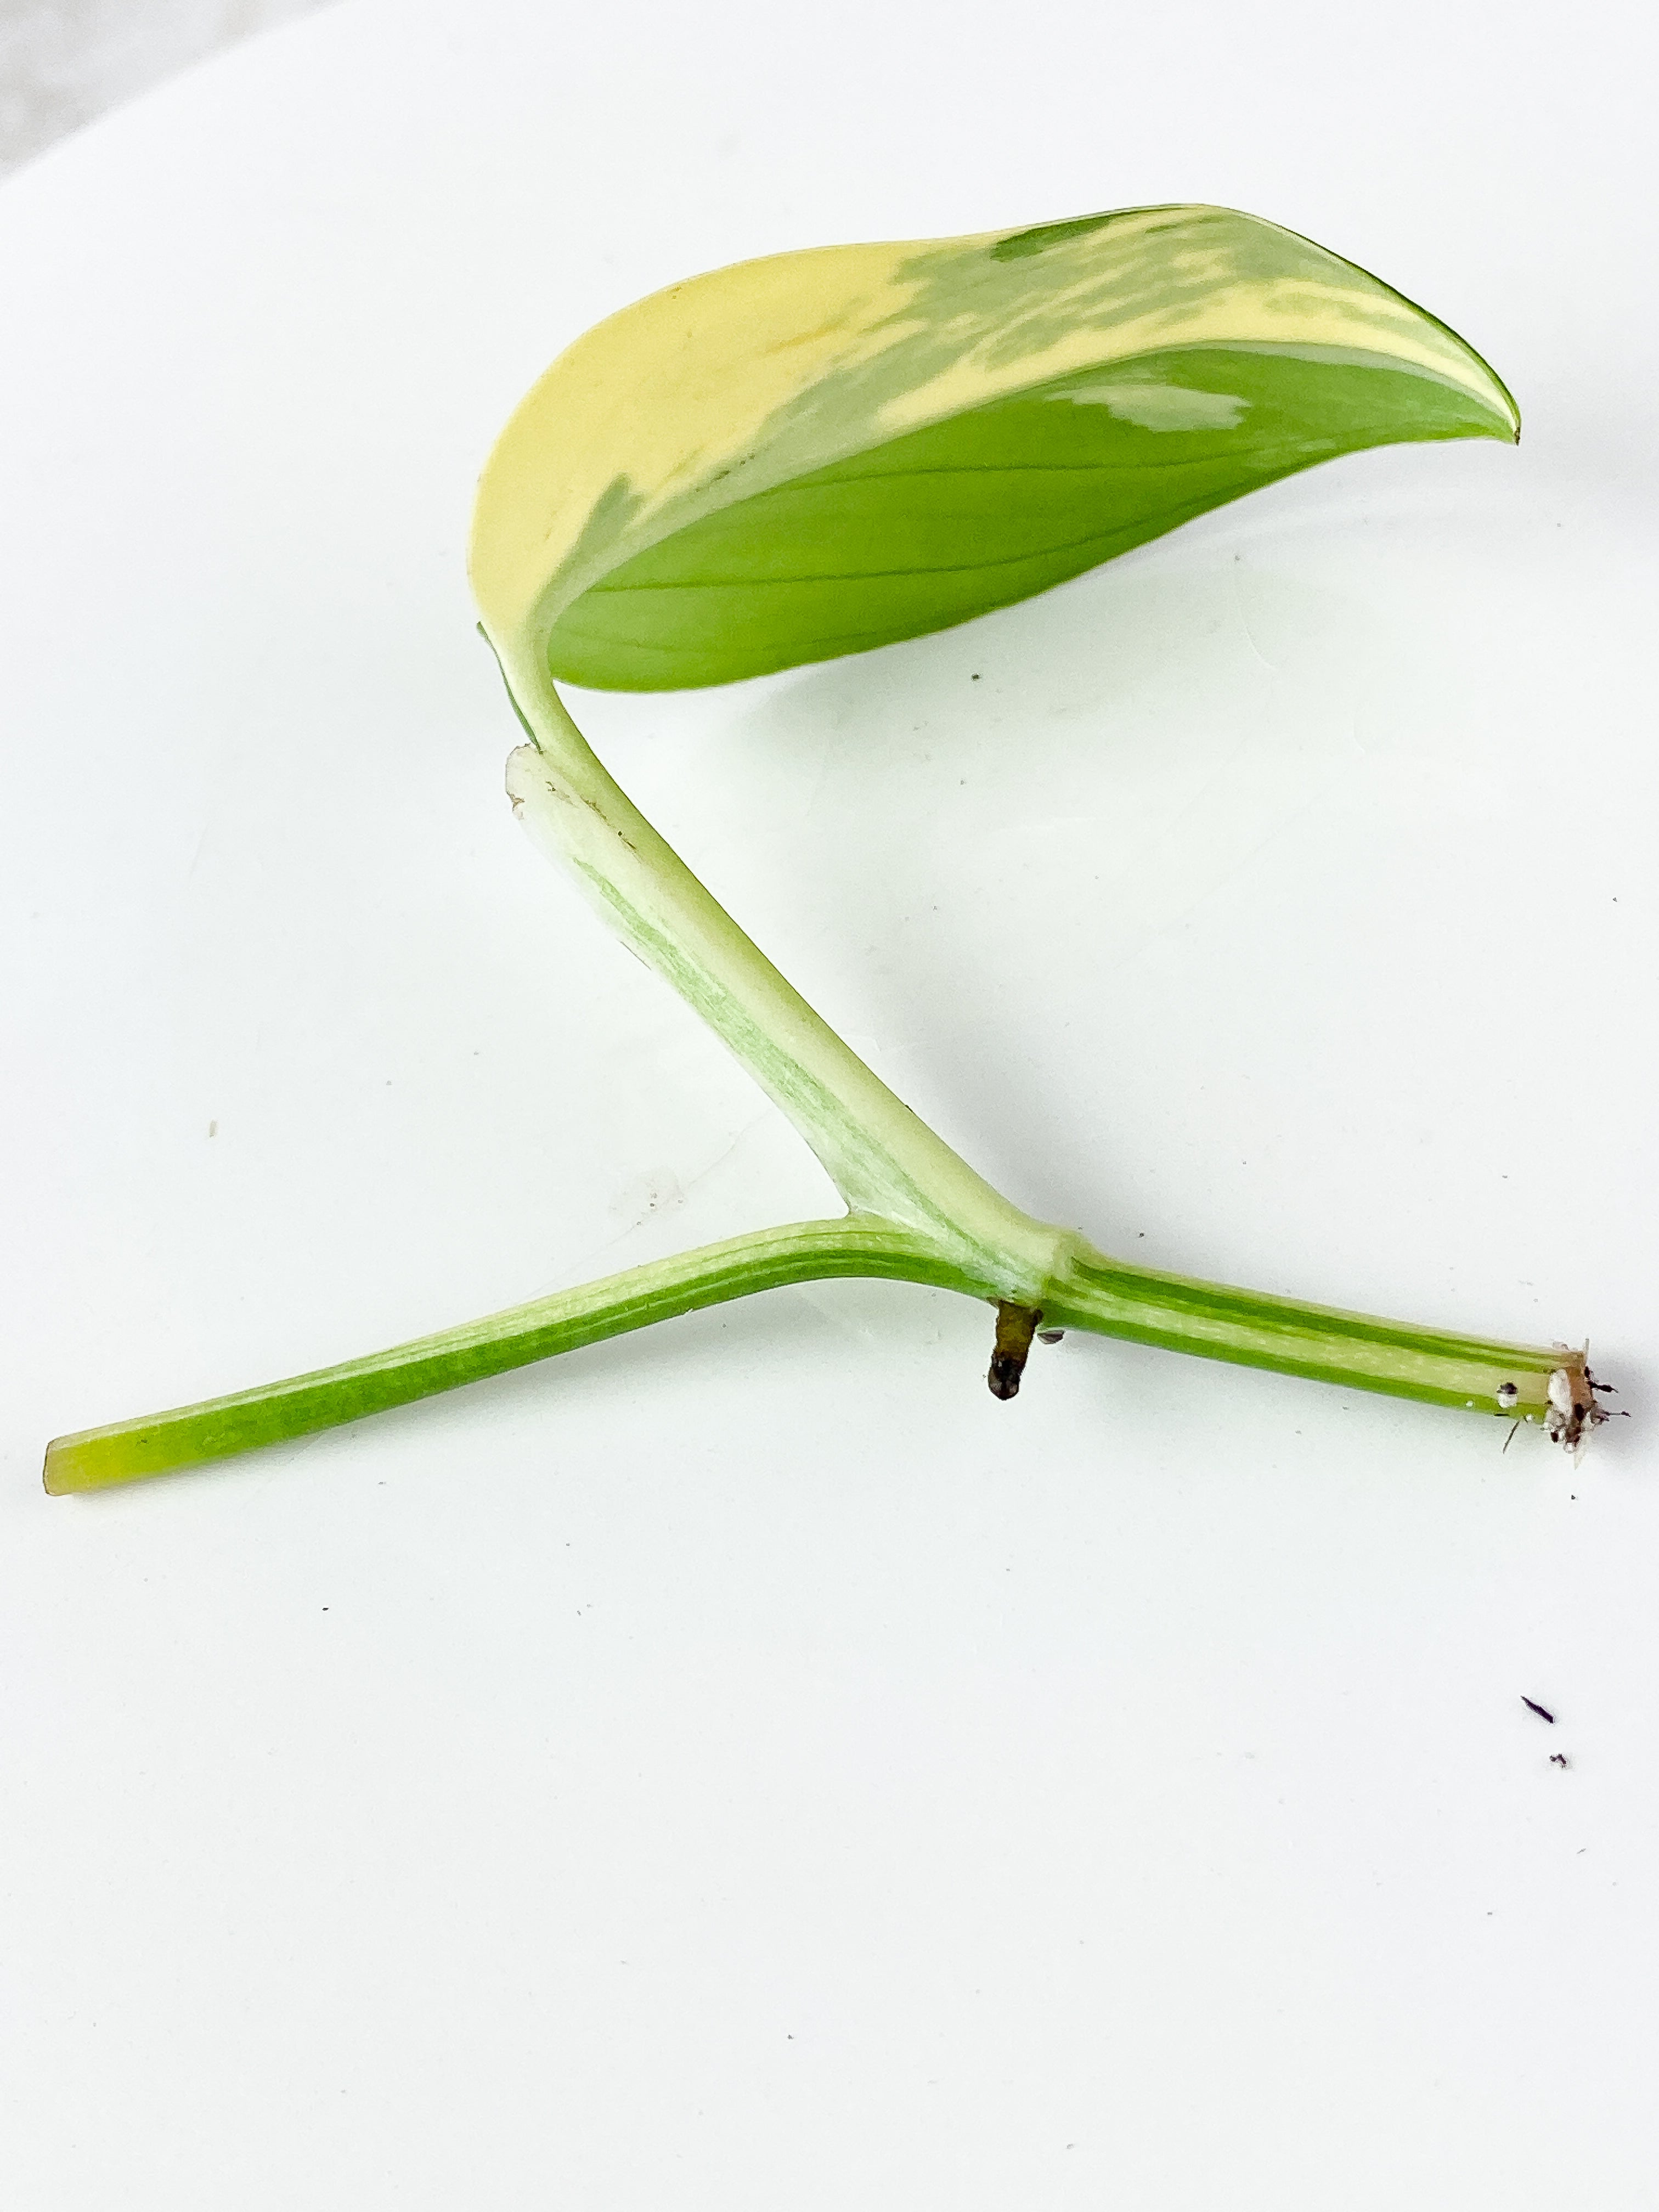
x,y
1016,1327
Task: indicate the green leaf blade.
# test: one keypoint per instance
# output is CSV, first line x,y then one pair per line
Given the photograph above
x,y
980,510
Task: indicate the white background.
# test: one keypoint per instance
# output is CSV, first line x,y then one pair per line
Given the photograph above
x,y
744,1765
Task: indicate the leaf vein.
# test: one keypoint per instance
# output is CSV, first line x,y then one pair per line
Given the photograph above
x,y
853,575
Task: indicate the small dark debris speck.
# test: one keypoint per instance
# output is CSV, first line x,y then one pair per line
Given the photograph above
x,y
1558,1758
1542,1712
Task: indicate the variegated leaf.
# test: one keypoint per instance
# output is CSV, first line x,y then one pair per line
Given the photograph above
x,y
820,452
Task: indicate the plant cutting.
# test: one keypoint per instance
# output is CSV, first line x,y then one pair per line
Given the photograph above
x,y
824,452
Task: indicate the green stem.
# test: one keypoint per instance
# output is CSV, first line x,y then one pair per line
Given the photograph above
x,y
919,1213
219,1428
1324,1343
1090,1293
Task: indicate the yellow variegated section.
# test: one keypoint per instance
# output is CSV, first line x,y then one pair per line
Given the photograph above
x,y
730,385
